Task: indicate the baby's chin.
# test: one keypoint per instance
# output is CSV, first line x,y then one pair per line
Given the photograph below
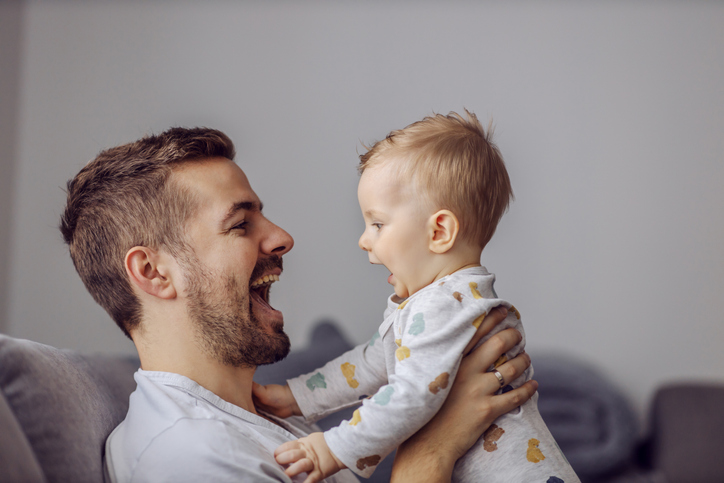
x,y
401,292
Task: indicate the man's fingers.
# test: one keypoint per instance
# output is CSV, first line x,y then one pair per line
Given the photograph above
x,y
514,367
514,398
484,356
496,316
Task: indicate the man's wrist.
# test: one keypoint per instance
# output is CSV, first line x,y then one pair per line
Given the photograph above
x,y
422,460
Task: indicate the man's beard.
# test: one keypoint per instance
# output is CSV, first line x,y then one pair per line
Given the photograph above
x,y
220,308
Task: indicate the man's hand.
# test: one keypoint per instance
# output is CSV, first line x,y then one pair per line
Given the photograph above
x,y
309,455
472,405
275,399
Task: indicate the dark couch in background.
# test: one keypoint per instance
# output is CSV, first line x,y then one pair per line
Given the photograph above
x,y
57,408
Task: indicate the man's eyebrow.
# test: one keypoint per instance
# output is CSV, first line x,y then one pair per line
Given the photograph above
x,y
239,206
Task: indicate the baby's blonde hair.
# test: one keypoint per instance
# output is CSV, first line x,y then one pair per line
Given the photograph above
x,y
455,163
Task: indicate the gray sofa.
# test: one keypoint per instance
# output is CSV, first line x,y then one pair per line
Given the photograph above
x,y
58,406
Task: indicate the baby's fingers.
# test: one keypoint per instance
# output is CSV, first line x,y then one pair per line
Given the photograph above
x,y
289,446
304,465
290,456
257,389
313,477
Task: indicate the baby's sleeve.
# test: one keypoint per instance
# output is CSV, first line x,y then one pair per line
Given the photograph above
x,y
342,382
431,334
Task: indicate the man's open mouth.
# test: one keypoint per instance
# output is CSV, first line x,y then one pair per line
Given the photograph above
x,y
260,288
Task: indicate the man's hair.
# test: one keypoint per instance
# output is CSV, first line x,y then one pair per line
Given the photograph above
x,y
125,198
453,162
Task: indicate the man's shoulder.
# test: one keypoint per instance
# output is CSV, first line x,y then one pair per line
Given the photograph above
x,y
204,448
176,432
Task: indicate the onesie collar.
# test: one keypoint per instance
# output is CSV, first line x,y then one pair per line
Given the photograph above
x,y
392,306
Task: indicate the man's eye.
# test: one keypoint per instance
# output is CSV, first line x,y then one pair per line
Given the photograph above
x,y
240,226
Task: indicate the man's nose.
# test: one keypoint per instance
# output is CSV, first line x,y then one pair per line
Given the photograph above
x,y
277,242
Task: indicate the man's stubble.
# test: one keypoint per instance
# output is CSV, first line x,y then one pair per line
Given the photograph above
x,y
219,306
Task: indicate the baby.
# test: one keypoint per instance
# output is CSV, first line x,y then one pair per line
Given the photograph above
x,y
431,195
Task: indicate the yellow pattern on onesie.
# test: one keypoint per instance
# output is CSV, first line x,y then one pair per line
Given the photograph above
x,y
403,352
348,373
534,454
356,418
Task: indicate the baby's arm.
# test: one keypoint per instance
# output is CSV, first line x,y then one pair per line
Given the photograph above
x,y
329,388
342,382
309,455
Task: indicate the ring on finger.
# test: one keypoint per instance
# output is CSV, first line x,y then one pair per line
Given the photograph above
x,y
501,381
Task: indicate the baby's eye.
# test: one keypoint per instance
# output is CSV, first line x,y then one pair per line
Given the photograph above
x,y
378,226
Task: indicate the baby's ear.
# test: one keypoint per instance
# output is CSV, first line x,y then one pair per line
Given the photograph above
x,y
443,229
150,271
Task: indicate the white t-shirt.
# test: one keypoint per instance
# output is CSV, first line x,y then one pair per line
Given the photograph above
x,y
176,431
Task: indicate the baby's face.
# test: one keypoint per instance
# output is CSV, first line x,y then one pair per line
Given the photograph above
x,y
395,234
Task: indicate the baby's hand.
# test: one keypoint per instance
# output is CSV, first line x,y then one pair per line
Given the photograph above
x,y
309,455
275,399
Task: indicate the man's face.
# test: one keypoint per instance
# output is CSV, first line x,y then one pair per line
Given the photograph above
x,y
234,257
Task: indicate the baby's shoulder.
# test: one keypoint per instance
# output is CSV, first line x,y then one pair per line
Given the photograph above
x,y
435,294
467,286
444,294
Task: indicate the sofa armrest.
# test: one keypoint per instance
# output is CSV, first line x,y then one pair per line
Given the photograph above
x,y
64,404
688,432
17,460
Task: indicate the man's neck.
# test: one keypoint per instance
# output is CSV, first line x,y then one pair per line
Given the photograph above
x,y
181,355
232,384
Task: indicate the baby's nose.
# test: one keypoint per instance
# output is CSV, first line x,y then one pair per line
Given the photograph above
x,y
363,243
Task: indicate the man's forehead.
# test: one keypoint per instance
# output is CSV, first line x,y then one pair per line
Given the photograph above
x,y
217,184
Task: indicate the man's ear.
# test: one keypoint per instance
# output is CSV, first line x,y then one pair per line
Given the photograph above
x,y
443,228
149,270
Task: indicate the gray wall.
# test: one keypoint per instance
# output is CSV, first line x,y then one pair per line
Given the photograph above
x,y
609,115
10,58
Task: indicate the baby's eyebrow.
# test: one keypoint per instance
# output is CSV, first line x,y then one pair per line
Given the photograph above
x,y
372,213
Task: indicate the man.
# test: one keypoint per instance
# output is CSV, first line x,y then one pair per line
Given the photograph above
x,y
170,239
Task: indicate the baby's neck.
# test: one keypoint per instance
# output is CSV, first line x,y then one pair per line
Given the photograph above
x,y
459,259
446,272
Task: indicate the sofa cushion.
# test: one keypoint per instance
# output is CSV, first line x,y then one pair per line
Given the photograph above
x,y
65,403
592,421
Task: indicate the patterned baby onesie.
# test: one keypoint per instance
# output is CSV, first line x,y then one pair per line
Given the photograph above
x,y
408,368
